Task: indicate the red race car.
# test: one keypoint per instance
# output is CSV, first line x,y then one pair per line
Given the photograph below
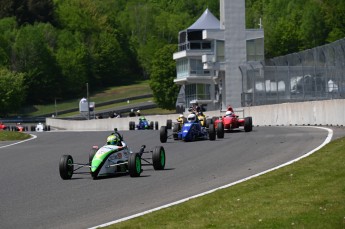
x,y
19,127
3,126
231,121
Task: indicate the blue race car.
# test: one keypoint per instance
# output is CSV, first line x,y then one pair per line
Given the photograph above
x,y
190,131
143,124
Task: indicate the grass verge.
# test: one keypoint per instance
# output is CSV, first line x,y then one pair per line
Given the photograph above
x,y
307,194
13,135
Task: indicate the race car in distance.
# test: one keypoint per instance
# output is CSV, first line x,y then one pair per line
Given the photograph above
x,y
192,130
40,127
112,159
3,126
19,127
143,124
231,121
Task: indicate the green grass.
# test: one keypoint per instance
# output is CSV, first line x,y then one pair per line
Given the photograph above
x,y
107,94
13,135
307,194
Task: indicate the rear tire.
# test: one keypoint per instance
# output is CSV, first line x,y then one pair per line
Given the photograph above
x,y
248,124
131,125
158,158
163,134
151,125
212,133
66,167
220,130
169,124
134,165
209,122
156,125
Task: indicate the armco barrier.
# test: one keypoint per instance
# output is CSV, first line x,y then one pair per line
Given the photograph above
x,y
326,112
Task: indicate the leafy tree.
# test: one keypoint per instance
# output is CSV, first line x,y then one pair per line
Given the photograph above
x,y
334,11
28,11
73,58
32,55
8,26
12,91
312,30
163,73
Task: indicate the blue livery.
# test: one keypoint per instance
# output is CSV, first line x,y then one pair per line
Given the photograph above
x,y
192,131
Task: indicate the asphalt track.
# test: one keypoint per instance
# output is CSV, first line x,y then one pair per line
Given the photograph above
x,y
33,195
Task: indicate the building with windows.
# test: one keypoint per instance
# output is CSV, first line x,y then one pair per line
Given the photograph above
x,y
209,54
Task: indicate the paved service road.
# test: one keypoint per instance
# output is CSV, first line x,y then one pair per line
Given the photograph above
x,y
33,195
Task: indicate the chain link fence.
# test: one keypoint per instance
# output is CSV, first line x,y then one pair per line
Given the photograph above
x,y
313,74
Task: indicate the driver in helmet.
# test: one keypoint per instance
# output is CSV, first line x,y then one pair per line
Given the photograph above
x,y
229,114
115,139
192,118
180,118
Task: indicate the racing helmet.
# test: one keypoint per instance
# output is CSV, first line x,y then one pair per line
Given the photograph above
x,y
228,113
191,118
112,140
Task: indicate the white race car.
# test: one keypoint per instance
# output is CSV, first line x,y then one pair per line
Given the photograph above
x,y
40,127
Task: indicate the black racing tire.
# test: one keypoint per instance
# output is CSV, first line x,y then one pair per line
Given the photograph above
x,y
134,165
131,125
169,124
248,124
163,134
45,128
156,125
33,128
220,130
151,125
66,167
158,158
48,128
209,122
212,133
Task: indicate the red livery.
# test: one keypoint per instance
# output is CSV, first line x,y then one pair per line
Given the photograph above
x,y
231,121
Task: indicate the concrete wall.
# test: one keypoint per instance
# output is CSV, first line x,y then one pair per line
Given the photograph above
x,y
327,112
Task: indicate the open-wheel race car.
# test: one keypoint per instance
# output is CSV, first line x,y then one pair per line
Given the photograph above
x,y
231,121
3,126
191,130
19,127
114,158
143,124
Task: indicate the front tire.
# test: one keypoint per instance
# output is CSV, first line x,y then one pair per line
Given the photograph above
x,y
134,165
163,134
220,130
66,167
212,133
158,158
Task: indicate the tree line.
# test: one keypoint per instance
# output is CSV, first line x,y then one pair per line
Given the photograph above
x,y
50,49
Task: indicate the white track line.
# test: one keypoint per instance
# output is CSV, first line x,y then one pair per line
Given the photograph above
x,y
32,138
327,140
